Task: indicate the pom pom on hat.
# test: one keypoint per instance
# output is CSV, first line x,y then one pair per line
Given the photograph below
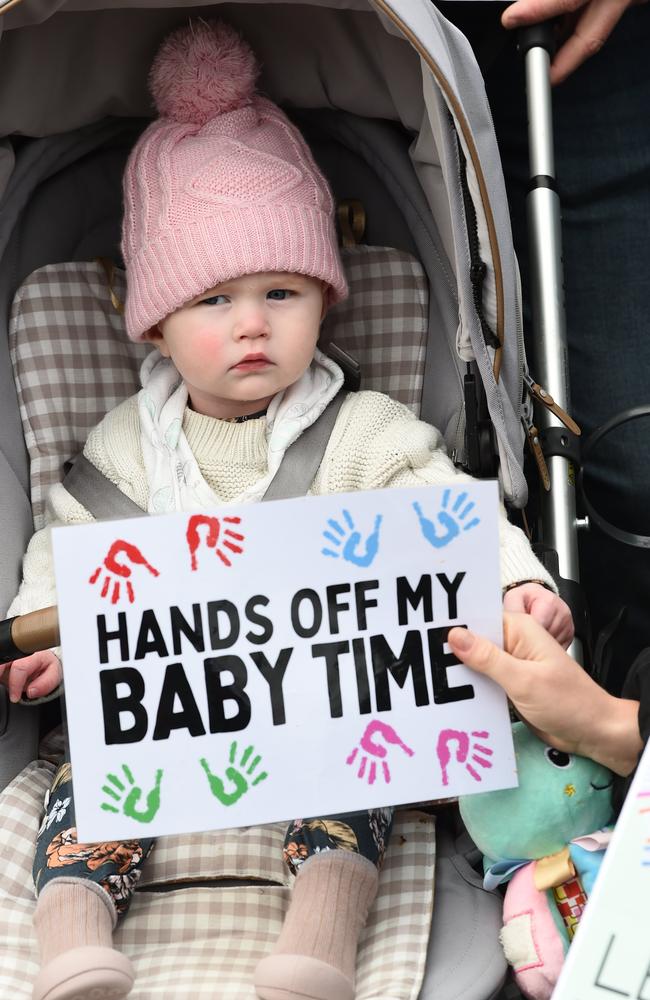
x,y
202,70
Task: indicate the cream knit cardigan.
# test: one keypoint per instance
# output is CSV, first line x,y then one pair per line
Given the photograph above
x,y
376,444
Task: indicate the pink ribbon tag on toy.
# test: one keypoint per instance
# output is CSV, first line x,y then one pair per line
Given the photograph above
x,y
596,841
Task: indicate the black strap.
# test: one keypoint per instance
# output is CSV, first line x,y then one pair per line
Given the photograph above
x,y
105,501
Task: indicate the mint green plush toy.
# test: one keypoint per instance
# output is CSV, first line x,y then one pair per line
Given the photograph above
x,y
546,838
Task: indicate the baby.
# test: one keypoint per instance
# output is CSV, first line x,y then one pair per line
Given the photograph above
x,y
232,263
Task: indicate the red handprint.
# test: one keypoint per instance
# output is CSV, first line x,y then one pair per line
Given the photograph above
x,y
460,737
113,567
213,525
375,749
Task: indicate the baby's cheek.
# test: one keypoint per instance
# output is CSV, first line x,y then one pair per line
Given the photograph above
x,y
205,347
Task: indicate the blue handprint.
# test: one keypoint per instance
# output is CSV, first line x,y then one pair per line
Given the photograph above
x,y
349,551
451,522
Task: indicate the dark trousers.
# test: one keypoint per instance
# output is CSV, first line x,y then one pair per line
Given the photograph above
x,y
115,866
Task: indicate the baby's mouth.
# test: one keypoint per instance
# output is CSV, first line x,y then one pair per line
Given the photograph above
x,y
252,362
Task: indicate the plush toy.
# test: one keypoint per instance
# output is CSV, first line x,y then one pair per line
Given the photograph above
x,y
547,839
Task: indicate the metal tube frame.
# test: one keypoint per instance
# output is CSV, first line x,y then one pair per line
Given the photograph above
x,y
558,506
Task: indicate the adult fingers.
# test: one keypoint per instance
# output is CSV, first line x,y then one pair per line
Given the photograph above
x,y
591,31
480,654
523,640
524,12
594,25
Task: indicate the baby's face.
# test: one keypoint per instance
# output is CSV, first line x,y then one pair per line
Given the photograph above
x,y
240,343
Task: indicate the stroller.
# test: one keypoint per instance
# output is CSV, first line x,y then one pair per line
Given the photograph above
x,y
390,99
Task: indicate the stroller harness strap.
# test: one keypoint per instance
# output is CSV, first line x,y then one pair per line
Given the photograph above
x,y
94,491
302,459
105,501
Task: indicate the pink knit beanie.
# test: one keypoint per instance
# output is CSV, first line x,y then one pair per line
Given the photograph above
x,y
221,185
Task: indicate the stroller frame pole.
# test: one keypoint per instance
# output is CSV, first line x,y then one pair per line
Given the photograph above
x,y
559,523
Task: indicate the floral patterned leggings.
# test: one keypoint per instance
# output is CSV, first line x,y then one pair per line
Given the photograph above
x,y
116,865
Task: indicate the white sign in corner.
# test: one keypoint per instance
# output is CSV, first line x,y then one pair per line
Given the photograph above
x,y
609,957
267,661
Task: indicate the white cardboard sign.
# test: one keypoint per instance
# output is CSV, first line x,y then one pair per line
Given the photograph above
x,y
280,660
609,958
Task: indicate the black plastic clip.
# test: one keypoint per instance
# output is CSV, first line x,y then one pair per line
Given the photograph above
x,y
560,441
480,444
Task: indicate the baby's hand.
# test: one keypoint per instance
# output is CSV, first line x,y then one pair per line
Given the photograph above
x,y
545,607
35,675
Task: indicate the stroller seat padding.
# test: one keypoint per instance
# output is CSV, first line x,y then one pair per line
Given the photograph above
x,y
73,362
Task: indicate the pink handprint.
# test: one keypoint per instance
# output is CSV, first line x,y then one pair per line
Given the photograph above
x,y
213,525
115,568
375,749
465,745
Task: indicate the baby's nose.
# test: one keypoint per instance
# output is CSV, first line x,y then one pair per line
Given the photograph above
x,y
251,322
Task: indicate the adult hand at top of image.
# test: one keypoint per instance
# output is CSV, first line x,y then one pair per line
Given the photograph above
x,y
587,26
553,694
36,675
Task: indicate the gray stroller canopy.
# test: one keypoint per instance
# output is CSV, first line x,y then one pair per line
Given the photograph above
x,y
68,64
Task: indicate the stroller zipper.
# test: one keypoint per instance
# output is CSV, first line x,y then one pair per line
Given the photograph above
x,y
545,398
478,267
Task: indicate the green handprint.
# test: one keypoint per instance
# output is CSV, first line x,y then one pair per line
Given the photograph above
x,y
129,806
234,775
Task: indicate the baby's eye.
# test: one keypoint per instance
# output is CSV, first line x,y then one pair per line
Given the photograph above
x,y
279,294
213,300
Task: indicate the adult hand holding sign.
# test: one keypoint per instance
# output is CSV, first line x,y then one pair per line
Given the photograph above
x,y
532,668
